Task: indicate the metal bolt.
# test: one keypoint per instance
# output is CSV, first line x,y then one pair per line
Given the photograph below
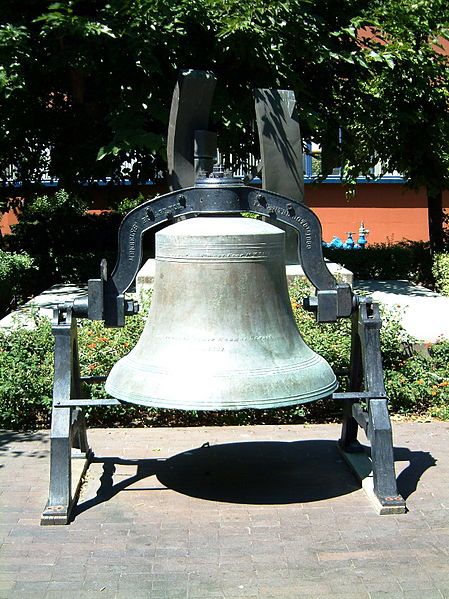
x,y
131,307
182,200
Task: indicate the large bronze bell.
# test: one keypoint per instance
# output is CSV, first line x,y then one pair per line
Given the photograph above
x,y
220,334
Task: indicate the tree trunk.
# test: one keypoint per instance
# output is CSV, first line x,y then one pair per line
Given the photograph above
x,y
436,220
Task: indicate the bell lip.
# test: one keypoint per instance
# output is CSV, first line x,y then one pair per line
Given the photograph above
x,y
260,404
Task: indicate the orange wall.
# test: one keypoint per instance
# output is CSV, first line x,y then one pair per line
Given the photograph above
x,y
6,220
391,212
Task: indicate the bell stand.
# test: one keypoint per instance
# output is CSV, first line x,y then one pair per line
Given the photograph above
x,y
106,301
280,142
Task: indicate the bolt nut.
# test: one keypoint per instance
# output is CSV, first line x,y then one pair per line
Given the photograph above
x,y
310,303
131,307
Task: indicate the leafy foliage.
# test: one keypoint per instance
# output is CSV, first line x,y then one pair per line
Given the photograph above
x,y
419,386
87,85
416,384
66,243
17,274
409,260
127,204
26,376
399,109
404,104
92,82
440,271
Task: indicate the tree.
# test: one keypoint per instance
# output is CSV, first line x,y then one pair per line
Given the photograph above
x,y
91,81
399,110
380,90
87,84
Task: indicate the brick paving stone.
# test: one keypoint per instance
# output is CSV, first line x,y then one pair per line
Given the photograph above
x,y
73,594
420,583
427,594
360,595
25,587
138,594
147,541
34,594
444,589
386,595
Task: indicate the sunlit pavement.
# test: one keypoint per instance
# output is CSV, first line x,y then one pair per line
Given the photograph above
x,y
261,511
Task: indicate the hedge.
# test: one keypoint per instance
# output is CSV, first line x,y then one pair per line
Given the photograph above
x,y
415,383
410,260
440,271
65,242
17,277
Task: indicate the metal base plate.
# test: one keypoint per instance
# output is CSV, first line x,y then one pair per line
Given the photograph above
x,y
60,514
361,466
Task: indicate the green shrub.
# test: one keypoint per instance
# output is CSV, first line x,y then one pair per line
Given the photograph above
x,y
408,260
49,208
440,270
332,340
421,384
17,274
415,384
439,392
100,348
26,374
66,243
125,205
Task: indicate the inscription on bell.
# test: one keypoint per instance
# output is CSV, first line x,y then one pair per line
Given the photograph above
x,y
212,339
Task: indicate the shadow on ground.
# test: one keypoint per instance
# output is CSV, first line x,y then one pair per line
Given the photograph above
x,y
10,448
10,438
419,462
251,473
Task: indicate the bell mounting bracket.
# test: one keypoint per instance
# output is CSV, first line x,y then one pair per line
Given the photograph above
x,y
106,299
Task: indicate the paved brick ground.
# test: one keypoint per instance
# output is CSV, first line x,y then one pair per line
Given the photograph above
x,y
266,512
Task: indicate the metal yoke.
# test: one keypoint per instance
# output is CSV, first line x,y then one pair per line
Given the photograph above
x,y
106,300
188,141
219,196
280,142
